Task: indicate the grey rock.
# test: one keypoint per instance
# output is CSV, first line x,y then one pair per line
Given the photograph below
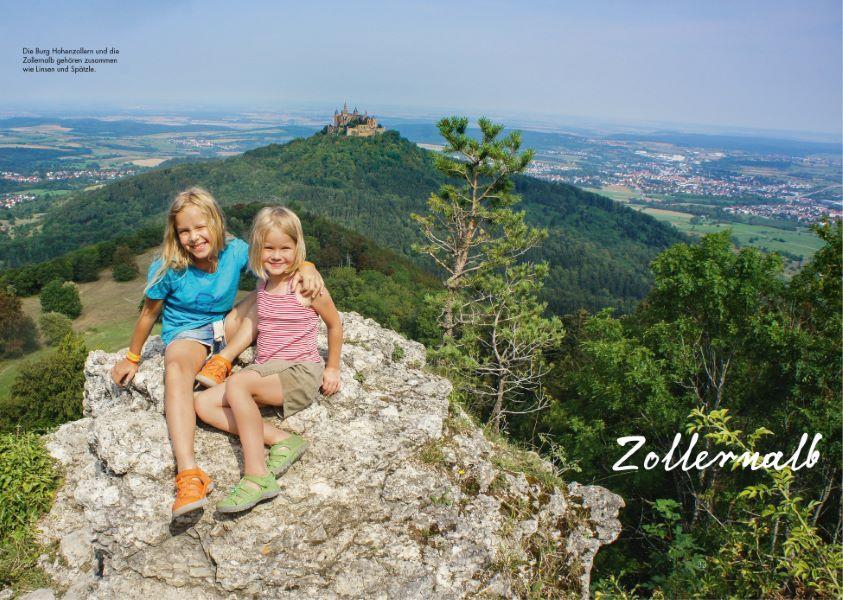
x,y
602,527
361,514
77,550
39,594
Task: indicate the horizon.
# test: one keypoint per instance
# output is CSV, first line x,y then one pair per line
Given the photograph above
x,y
757,66
304,113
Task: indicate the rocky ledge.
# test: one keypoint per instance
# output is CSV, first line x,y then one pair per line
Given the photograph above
x,y
399,496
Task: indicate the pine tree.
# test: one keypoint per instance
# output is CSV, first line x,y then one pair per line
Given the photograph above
x,y
49,391
507,339
470,227
495,333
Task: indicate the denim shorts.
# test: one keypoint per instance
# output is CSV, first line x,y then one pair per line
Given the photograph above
x,y
205,336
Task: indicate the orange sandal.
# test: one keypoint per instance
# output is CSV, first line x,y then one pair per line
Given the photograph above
x,y
192,489
215,371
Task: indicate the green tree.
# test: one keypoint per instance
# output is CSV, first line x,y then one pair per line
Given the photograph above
x,y
85,264
806,350
17,330
721,330
61,297
54,327
767,540
124,267
506,337
495,333
49,391
470,227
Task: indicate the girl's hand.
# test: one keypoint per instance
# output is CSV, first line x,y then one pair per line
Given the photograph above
x,y
330,381
308,280
123,372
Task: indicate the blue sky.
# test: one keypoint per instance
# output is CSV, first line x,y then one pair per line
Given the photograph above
x,y
757,64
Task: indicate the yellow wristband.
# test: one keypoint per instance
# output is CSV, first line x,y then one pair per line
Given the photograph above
x,y
133,358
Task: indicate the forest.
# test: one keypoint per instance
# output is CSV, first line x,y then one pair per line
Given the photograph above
x,y
598,251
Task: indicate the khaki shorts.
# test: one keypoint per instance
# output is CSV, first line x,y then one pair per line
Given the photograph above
x,y
299,380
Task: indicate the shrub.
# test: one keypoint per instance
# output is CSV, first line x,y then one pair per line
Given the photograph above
x,y
61,297
49,391
54,327
124,267
26,467
17,330
123,272
28,483
248,282
85,264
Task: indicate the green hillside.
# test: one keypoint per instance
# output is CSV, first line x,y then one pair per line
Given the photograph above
x,y
599,251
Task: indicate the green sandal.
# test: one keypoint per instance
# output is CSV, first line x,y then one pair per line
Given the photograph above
x,y
244,497
283,454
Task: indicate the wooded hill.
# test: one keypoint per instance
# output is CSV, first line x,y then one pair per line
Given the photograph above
x,y
599,251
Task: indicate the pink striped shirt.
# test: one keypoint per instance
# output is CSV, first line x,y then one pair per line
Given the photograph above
x,y
286,329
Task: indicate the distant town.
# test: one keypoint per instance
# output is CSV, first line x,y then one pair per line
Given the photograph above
x,y
93,175
191,142
654,176
10,200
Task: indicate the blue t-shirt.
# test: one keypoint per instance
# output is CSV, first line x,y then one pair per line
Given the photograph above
x,y
193,298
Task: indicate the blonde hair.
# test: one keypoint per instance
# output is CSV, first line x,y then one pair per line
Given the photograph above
x,y
173,254
286,221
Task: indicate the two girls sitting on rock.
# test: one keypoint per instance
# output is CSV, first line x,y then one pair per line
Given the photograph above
x,y
195,283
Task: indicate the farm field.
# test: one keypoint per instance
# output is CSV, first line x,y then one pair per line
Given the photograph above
x,y
764,237
799,242
616,192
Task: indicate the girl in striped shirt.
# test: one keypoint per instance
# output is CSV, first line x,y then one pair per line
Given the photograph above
x,y
288,370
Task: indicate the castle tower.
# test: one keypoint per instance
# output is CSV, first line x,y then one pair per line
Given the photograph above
x,y
354,124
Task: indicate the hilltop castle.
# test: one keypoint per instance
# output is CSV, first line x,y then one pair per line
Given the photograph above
x,y
353,123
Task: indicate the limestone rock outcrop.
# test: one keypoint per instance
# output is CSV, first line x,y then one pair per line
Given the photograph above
x,y
399,496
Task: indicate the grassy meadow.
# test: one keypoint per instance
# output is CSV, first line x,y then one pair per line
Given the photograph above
x,y
771,239
109,313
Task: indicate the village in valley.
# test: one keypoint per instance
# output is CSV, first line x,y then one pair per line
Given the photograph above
x,y
777,186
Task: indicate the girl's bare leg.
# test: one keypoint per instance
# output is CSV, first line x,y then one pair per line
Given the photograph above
x,y
182,360
241,393
241,327
212,407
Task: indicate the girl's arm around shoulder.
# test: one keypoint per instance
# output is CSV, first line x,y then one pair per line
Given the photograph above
x,y
308,280
324,307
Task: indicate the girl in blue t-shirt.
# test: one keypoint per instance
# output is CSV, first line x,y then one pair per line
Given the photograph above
x,y
195,283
